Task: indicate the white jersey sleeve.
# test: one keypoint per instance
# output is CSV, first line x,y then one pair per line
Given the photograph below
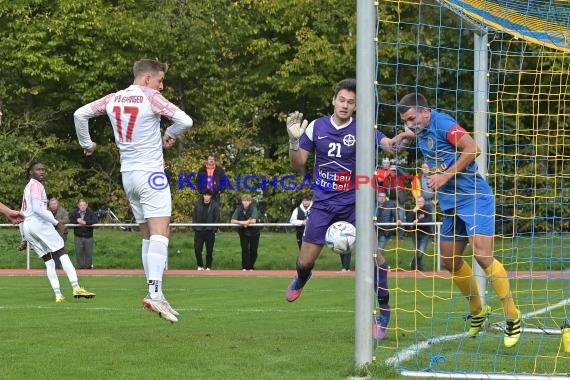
x,y
81,119
34,203
135,114
181,123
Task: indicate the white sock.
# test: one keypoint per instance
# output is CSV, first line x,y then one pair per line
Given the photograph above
x,y
52,276
156,260
145,244
69,270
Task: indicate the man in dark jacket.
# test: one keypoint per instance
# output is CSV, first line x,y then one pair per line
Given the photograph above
x,y
84,216
210,176
206,211
386,212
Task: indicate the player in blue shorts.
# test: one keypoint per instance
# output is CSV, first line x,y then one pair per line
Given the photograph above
x,y
468,206
332,139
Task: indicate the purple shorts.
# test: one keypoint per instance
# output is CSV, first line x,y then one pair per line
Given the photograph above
x,y
322,216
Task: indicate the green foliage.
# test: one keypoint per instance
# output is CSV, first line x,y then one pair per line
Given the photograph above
x,y
236,67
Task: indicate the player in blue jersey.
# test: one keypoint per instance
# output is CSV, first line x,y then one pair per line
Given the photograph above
x,y
332,139
468,206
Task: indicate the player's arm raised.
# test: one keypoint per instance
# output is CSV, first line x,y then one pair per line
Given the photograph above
x,y
296,126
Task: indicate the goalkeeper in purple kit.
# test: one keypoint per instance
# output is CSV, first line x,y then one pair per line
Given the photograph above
x,y
332,139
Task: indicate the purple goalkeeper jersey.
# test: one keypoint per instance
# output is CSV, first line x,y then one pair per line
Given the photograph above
x,y
335,159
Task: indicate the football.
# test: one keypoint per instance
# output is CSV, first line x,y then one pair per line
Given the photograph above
x,y
340,237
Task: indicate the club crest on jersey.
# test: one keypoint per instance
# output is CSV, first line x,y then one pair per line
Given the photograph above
x,y
349,140
430,142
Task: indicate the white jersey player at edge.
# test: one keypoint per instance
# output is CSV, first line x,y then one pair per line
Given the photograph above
x,y
38,229
135,114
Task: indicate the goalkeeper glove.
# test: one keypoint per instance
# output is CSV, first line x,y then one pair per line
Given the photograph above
x,y
295,128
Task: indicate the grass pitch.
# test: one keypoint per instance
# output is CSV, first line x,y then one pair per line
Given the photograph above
x,y
241,328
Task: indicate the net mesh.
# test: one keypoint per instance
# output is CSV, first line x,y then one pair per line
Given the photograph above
x,y
428,47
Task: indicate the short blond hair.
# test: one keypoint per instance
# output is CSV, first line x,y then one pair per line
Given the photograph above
x,y
246,197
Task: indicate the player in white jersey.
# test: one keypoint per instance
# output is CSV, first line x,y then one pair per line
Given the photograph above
x,y
135,114
39,231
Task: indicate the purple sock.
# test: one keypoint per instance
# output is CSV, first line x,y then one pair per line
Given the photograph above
x,y
381,281
303,274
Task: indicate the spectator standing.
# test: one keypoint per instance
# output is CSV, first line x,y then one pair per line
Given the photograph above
x,y
210,176
422,213
386,212
246,215
206,211
62,216
86,217
396,191
426,191
299,217
383,172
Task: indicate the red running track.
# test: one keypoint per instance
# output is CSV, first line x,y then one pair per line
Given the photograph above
x,y
261,273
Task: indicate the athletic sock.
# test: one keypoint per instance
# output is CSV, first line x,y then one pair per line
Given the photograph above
x,y
52,276
500,282
69,270
156,261
303,274
465,281
381,281
145,244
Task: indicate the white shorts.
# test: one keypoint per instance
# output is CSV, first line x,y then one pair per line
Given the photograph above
x,y
146,201
41,236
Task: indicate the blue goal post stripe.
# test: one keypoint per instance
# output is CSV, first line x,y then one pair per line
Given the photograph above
x,y
547,25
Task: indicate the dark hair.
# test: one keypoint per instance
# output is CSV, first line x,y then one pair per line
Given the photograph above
x,y
348,84
148,65
413,100
31,166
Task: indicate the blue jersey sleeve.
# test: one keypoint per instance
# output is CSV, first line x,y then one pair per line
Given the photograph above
x,y
443,124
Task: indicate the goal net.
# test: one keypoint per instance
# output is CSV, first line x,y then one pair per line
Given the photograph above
x,y
518,81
